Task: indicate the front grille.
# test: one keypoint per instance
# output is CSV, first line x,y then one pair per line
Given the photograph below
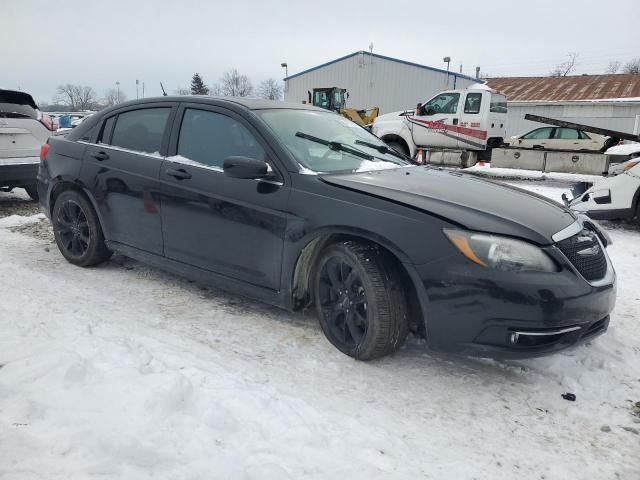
x,y
585,252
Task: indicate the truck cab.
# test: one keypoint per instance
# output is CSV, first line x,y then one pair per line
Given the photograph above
x,y
469,119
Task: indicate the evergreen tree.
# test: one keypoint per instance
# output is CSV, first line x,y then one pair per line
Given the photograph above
x,y
197,85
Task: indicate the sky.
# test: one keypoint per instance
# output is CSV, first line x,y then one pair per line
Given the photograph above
x,y
99,43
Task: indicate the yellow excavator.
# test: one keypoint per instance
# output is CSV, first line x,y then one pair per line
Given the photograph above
x,y
335,99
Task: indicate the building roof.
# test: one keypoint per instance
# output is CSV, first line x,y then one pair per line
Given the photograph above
x,y
383,57
570,88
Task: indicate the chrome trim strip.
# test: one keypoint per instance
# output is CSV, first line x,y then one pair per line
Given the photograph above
x,y
570,231
120,149
548,333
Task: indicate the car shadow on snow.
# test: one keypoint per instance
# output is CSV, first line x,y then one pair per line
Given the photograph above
x,y
413,356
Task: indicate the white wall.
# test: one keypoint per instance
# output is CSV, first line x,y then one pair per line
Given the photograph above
x,y
374,81
619,116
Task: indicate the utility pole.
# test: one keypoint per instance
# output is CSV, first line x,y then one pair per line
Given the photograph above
x,y
142,89
137,95
447,60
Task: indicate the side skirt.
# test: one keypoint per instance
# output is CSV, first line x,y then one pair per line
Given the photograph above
x,y
200,275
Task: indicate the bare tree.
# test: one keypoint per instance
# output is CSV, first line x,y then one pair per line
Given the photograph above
x,y
565,68
613,66
114,96
632,66
76,97
182,91
270,89
233,84
216,90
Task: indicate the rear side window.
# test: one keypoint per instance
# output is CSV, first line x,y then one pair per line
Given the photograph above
x,y
208,138
105,134
472,103
498,103
539,134
567,134
141,130
583,135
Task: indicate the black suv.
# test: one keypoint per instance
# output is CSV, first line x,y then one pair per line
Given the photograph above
x,y
299,207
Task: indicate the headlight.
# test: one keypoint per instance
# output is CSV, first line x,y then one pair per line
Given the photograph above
x,y
499,252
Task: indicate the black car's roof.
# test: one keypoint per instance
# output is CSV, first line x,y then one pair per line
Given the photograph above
x,y
249,103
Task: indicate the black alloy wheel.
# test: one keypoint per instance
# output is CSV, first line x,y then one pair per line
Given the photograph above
x,y
343,301
360,299
77,230
73,229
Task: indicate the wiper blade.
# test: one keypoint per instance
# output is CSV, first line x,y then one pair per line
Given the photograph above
x,y
337,146
383,149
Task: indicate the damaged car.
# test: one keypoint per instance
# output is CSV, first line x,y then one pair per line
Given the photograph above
x,y
300,208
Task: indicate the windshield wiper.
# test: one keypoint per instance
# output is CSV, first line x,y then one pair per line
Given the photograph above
x,y
383,149
337,146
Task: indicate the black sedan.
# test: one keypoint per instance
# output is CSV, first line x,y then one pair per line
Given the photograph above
x,y
299,207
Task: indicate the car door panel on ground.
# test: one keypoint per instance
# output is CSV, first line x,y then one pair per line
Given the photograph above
x,y
121,171
233,227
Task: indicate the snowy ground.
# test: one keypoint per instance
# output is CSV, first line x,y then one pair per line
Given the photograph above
x,y
123,371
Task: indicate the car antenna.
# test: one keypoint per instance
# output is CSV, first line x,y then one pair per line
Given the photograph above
x,y
164,94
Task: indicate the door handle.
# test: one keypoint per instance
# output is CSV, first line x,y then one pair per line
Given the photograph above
x,y
179,174
100,156
455,121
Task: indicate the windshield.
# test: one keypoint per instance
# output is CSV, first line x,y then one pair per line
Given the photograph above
x,y
345,146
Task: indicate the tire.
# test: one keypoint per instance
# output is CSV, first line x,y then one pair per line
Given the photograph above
x,y
77,230
398,147
360,300
32,191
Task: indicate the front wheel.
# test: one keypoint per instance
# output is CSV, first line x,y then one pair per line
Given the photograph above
x,y
360,301
77,230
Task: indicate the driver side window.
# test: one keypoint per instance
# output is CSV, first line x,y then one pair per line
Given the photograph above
x,y
208,138
444,103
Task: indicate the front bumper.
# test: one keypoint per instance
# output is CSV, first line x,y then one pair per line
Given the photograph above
x,y
473,310
18,172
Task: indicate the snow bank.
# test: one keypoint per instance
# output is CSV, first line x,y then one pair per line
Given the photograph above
x,y
16,220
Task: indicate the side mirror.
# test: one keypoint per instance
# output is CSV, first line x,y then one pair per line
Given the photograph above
x,y
419,109
245,167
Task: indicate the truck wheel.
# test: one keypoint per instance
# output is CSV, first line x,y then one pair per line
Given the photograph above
x,y
398,147
32,191
360,300
77,230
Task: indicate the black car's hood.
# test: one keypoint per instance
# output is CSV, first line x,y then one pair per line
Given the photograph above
x,y
464,199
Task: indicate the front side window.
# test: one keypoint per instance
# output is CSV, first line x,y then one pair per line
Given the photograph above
x,y
498,103
208,138
472,103
443,103
141,130
325,142
539,134
567,134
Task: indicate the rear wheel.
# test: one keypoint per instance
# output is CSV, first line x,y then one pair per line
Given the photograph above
x,y
77,230
360,300
32,191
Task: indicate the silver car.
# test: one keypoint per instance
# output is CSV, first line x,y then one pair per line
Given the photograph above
x,y
23,130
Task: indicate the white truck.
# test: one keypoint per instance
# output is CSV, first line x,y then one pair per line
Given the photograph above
x,y
472,119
